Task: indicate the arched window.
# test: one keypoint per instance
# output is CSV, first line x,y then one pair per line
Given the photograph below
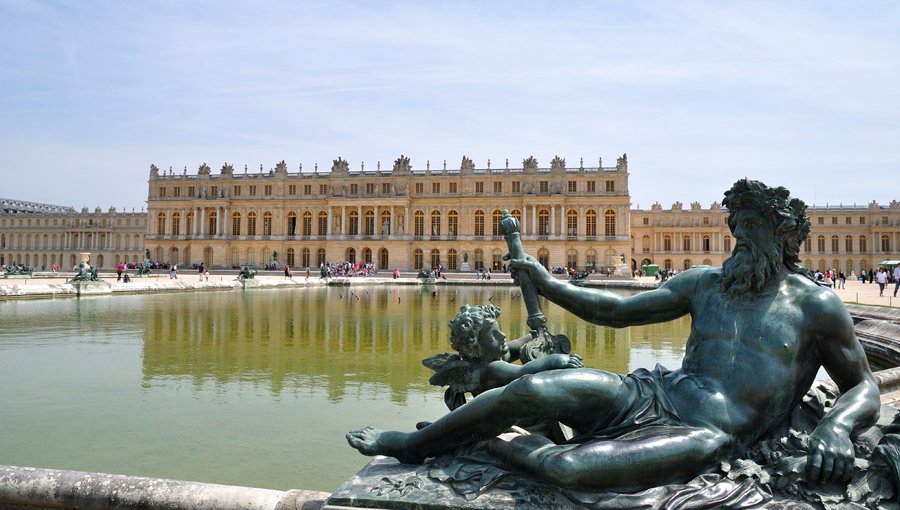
x,y
251,223
479,258
863,244
173,256
251,256
320,257
451,259
705,243
417,258
572,223
161,224
304,257
290,257
727,244
267,223
543,256
323,224
213,223
383,260
419,225
544,222
610,259
479,223
820,244
235,257
176,224
667,242
496,260
517,214
667,264
609,219
591,219
835,244
351,255
807,245
369,225
236,224
496,216
367,255
208,256
885,243
435,222
848,246
307,224
688,263
188,224
572,258
686,243
435,257
354,223
292,224
590,259
452,223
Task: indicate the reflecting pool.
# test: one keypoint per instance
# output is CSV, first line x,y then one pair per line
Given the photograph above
x,y
251,388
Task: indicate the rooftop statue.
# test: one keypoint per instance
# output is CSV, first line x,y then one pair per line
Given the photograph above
x,y
761,328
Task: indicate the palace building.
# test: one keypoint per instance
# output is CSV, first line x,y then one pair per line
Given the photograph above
x,y
43,235
846,238
395,218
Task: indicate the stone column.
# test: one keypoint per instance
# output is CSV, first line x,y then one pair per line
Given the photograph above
x,y
343,220
534,220
552,220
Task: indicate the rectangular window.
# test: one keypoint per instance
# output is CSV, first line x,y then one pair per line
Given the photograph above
x,y
452,187
191,191
436,188
385,188
848,220
862,220
479,187
646,221
516,187
162,191
498,187
252,190
706,220
236,191
544,186
610,186
834,220
323,189
573,186
176,191
215,191
592,186
370,188
821,220
354,189
268,190
420,188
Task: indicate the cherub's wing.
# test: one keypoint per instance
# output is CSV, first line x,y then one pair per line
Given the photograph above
x,y
438,361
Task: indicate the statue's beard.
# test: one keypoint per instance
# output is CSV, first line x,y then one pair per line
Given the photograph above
x,y
749,268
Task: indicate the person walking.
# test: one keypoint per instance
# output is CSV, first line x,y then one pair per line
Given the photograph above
x,y
881,277
202,271
173,274
896,279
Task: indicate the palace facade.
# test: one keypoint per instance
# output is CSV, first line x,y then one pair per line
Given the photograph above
x,y
402,217
847,238
42,235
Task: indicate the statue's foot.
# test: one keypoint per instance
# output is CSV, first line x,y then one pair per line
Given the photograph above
x,y
371,441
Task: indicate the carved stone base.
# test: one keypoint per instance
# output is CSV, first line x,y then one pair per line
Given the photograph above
x,y
250,283
92,288
465,268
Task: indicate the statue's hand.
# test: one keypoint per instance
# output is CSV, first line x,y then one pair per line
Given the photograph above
x,y
566,361
830,456
508,224
529,265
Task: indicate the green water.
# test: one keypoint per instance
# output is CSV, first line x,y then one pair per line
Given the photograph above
x,y
251,388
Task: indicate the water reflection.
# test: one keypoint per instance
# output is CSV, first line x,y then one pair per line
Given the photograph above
x,y
340,338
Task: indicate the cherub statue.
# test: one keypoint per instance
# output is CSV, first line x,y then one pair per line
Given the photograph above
x,y
484,359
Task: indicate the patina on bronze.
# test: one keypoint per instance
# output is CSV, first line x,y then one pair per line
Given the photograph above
x,y
760,331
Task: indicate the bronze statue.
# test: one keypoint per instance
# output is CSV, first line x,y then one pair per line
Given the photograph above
x,y
761,328
485,357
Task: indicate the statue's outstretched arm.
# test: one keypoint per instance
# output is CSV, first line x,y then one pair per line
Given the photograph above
x,y
662,304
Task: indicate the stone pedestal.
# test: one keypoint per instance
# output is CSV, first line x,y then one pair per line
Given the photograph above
x,y
465,268
250,283
92,288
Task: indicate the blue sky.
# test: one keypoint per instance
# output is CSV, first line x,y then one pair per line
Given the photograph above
x,y
699,94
